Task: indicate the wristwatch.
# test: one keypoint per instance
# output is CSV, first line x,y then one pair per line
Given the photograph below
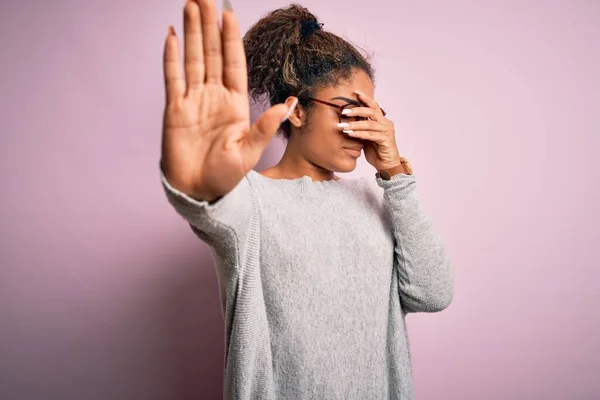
x,y
403,168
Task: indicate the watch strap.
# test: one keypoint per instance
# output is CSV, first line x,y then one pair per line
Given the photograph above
x,y
402,168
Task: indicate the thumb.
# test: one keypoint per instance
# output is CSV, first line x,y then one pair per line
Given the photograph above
x,y
266,126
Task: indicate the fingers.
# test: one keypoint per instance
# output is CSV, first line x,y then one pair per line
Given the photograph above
x,y
363,126
235,76
365,112
211,40
367,99
372,136
203,47
194,53
366,130
370,102
174,84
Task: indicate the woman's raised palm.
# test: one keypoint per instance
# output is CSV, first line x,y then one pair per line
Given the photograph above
x,y
208,144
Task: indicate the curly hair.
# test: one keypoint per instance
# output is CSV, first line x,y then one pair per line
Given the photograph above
x,y
289,54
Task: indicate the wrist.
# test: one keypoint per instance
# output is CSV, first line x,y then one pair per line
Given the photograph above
x,y
390,162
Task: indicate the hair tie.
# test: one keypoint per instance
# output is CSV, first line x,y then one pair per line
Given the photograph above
x,y
308,27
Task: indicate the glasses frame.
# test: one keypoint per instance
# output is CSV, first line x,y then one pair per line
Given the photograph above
x,y
339,108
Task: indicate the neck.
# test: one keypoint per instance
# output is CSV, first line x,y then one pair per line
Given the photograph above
x,y
293,165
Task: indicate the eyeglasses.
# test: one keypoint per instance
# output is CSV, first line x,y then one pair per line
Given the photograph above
x,y
342,117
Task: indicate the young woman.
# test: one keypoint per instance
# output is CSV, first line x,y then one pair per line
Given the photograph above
x,y
316,273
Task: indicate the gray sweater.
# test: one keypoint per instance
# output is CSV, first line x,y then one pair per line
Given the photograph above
x,y
315,280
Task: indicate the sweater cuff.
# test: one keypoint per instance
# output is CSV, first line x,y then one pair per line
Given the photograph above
x,y
235,204
398,181
187,201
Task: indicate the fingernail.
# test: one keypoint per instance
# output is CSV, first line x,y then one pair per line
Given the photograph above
x,y
172,30
348,131
359,92
227,5
347,111
290,111
343,125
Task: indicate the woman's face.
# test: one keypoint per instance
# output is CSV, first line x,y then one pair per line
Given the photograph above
x,y
320,141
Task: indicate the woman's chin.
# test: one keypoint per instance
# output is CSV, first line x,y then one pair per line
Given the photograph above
x,y
345,166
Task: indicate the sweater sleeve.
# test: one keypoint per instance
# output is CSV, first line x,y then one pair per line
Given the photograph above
x,y
226,224
426,281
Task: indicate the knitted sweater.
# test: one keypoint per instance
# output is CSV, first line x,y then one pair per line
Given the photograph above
x,y
315,280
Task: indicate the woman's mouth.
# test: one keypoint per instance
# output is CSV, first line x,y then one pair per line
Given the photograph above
x,y
355,152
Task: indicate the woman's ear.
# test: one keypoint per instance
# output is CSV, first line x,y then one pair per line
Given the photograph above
x,y
297,115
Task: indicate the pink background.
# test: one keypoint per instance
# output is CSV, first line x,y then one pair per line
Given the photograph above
x,y
106,294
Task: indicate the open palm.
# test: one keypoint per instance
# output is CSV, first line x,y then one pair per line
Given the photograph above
x,y
208,143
